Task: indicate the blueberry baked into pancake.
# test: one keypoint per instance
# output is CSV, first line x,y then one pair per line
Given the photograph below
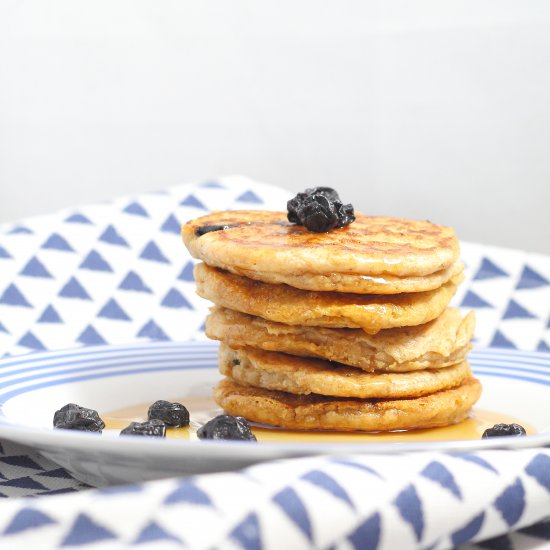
x,y
333,320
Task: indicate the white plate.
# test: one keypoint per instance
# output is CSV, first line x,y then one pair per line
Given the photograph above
x,y
106,378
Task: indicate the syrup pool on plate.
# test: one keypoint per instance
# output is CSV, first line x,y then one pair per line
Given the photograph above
x,y
202,409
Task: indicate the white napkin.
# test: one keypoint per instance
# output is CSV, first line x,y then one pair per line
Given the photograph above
x,y
421,500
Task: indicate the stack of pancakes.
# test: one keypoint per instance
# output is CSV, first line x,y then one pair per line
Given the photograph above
x,y
345,330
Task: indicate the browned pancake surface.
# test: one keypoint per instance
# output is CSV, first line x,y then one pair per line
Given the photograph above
x,y
439,343
316,412
285,304
300,375
263,242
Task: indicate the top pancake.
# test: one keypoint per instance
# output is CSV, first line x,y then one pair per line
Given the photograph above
x,y
373,255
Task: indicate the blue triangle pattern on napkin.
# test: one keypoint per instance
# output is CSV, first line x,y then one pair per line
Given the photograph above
x,y
57,242
133,281
367,534
192,201
136,209
171,225
291,504
85,531
531,279
91,337
26,482
12,296
73,246
328,484
59,473
34,268
212,185
250,196
78,218
189,492
489,270
511,502
153,252
543,346
153,331
539,469
20,230
21,461
248,534
95,262
29,340
437,472
111,236
475,459
175,299
153,532
4,253
28,518
471,299
469,531
4,329
357,466
187,273
410,509
500,341
516,311
73,289
111,310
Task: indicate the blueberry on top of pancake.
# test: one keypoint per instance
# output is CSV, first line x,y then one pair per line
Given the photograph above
x,y
320,210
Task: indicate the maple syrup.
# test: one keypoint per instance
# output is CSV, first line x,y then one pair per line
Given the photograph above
x,y
202,409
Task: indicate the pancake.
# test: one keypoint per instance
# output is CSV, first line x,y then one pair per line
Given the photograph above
x,y
286,304
372,255
439,343
316,412
360,284
300,375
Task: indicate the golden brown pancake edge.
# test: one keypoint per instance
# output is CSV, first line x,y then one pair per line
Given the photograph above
x,y
300,375
439,343
285,304
314,412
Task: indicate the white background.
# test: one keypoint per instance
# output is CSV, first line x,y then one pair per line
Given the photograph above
x,y
424,109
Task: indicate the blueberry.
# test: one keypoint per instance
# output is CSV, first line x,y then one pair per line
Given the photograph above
x,y
319,210
295,205
75,417
172,414
345,212
318,214
226,426
151,428
499,430
209,228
